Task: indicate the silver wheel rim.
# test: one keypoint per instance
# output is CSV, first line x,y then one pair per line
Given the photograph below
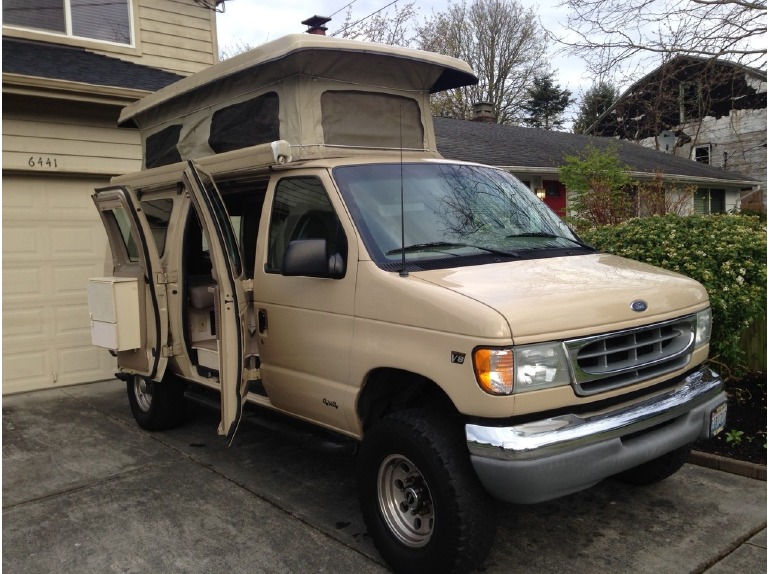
x,y
143,394
405,501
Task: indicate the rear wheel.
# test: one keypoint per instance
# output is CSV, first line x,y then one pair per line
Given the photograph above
x,y
657,469
156,406
422,503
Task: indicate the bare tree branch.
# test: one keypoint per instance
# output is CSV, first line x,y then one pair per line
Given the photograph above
x,y
609,33
504,44
396,29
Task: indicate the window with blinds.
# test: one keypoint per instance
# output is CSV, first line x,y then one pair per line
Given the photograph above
x,y
709,201
105,20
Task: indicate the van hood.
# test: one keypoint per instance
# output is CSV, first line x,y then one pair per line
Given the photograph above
x,y
565,297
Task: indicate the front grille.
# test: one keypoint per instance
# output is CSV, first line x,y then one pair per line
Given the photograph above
x,y
622,358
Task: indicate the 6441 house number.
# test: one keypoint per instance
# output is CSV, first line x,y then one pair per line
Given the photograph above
x,y
40,161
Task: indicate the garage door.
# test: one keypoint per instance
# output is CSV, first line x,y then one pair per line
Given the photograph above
x,y
53,241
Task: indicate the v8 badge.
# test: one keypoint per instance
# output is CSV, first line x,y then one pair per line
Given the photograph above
x,y
457,358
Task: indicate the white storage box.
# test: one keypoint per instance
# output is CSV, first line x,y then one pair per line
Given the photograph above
x,y
113,305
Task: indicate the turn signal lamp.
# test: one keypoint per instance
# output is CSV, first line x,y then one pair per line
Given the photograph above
x,y
494,370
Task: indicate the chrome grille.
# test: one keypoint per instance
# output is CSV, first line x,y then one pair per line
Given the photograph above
x,y
622,358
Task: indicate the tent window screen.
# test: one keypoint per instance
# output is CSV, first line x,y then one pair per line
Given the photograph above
x,y
160,148
369,119
245,124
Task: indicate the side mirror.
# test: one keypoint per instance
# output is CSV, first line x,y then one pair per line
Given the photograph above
x,y
308,258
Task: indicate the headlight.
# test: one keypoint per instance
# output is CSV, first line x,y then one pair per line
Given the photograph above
x,y
521,369
703,328
540,366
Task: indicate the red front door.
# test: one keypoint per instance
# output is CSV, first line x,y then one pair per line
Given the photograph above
x,y
555,197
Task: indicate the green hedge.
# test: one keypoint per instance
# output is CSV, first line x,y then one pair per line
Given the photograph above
x,y
726,253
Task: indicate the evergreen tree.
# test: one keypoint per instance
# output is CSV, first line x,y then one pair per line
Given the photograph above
x,y
546,103
596,101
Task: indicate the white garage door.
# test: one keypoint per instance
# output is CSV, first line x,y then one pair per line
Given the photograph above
x,y
53,241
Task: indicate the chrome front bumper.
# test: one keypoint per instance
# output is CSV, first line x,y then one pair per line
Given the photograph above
x,y
548,458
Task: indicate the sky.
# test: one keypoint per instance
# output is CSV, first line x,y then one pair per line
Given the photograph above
x,y
255,22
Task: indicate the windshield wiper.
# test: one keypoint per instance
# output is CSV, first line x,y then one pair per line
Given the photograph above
x,y
434,244
551,236
423,246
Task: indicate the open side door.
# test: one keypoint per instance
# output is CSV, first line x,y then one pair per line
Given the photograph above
x,y
230,296
135,255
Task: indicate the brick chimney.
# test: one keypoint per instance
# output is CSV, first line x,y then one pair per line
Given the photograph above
x,y
315,25
484,112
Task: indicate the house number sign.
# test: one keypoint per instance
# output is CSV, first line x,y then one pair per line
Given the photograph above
x,y
42,162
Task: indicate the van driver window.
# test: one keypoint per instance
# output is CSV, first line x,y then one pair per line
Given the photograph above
x,y
301,210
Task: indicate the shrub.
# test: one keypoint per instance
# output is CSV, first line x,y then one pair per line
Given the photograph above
x,y
726,253
602,192
598,184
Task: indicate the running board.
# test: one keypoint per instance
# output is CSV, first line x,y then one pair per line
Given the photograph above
x,y
276,423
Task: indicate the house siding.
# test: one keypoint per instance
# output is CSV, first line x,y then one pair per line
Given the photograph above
x,y
738,144
178,36
77,139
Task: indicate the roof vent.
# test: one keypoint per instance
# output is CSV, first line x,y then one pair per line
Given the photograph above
x,y
315,25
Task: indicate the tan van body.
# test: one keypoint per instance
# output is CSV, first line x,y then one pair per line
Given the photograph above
x,y
284,257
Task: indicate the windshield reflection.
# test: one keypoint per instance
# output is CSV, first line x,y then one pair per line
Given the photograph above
x,y
449,211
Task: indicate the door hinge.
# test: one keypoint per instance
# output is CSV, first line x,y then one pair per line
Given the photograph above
x,y
166,278
171,350
251,374
248,285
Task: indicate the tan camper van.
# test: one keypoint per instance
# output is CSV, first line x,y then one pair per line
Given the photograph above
x,y
296,244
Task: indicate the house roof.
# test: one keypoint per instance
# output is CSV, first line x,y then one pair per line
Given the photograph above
x,y
73,64
529,150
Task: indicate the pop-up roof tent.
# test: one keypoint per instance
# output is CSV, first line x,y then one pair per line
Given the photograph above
x,y
319,94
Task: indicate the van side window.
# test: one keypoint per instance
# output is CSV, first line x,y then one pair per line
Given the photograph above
x,y
158,214
302,210
121,222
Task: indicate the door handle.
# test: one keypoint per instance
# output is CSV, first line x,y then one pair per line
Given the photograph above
x,y
262,320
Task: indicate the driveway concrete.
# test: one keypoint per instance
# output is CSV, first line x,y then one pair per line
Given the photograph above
x,y
86,490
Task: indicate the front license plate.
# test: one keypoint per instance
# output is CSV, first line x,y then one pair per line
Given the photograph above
x,y
718,419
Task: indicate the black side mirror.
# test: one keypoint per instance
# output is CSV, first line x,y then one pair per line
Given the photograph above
x,y
308,258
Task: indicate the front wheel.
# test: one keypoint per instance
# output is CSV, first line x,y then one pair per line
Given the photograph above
x,y
156,406
657,469
422,503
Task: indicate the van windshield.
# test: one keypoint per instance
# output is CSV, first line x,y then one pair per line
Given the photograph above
x,y
450,211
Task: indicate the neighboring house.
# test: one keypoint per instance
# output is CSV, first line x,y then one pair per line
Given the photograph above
x,y
68,69
710,111
534,156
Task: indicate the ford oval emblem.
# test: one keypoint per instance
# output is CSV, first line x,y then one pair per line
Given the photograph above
x,y
639,306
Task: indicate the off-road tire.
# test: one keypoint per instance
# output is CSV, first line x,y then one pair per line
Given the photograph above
x,y
657,469
459,518
156,406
